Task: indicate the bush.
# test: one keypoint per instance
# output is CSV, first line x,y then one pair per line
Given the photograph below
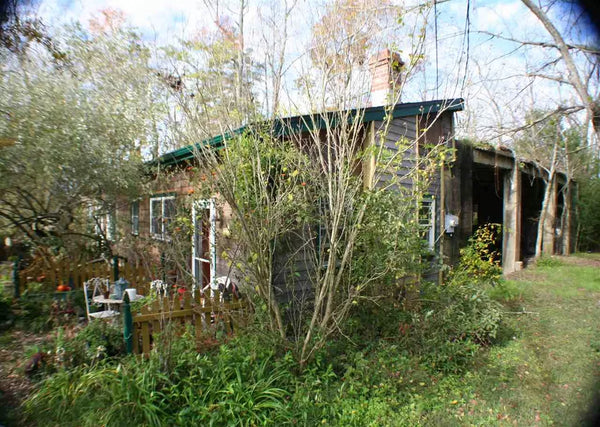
x,y
458,317
588,234
42,311
480,259
6,313
455,320
97,341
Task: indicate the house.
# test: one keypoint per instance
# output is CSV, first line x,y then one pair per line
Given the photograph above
x,y
479,186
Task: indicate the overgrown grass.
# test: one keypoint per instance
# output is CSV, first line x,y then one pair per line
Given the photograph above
x,y
540,367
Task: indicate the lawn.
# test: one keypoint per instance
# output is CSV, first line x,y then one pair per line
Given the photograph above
x,y
546,368
542,369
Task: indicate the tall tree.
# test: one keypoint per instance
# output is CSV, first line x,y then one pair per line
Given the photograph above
x,y
76,132
216,79
586,93
342,41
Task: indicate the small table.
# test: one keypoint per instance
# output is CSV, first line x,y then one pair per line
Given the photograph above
x,y
108,301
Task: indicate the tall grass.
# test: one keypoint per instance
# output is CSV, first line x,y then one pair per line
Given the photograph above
x,y
215,389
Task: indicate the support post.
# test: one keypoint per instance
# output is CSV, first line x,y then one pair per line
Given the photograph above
x,y
511,228
127,324
115,268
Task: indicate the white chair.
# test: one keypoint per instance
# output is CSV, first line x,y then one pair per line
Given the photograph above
x,y
159,287
97,286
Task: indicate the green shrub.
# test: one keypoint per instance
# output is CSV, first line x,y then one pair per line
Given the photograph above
x,y
456,319
506,291
588,235
480,259
96,341
6,313
41,312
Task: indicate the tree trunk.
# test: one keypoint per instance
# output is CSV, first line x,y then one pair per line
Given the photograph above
x,y
548,193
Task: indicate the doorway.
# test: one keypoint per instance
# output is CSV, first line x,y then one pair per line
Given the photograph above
x,y
204,251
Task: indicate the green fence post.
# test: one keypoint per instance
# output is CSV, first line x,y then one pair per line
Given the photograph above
x,y
127,324
115,268
16,278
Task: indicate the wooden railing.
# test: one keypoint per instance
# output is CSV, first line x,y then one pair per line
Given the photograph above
x,y
208,315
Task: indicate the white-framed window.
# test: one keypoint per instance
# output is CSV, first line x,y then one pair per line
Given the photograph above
x,y
427,220
104,221
204,247
162,212
135,217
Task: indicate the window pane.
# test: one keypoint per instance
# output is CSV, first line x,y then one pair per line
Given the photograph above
x,y
135,218
168,214
111,226
155,216
427,220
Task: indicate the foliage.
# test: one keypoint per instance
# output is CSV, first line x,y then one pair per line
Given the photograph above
x,y
456,318
545,359
389,246
214,79
588,233
299,205
541,134
342,41
93,343
6,312
43,311
480,259
548,261
239,384
91,125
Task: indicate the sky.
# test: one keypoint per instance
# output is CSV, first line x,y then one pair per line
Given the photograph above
x,y
490,73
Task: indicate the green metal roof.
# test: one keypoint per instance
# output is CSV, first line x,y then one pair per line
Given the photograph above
x,y
303,123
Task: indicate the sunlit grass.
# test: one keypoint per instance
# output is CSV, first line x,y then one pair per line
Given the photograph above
x,y
545,366
547,373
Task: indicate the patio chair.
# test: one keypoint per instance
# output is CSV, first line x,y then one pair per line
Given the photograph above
x,y
159,287
97,286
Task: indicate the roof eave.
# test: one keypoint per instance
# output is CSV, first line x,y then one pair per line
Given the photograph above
x,y
307,122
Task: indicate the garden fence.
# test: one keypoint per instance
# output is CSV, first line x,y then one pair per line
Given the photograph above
x,y
69,273
209,315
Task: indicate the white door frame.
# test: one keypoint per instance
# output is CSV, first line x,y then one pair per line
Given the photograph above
x,y
197,207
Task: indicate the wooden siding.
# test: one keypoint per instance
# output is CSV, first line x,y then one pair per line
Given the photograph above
x,y
292,269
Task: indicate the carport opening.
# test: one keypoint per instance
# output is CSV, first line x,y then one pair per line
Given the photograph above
x,y
532,196
488,199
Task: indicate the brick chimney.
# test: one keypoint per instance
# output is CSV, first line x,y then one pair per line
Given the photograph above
x,y
386,67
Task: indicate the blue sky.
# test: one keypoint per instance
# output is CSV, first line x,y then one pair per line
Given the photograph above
x,y
492,75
